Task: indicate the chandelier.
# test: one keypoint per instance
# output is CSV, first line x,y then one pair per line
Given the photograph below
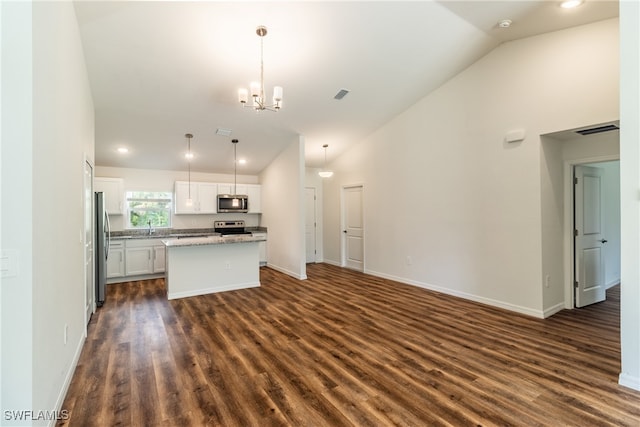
x,y
257,88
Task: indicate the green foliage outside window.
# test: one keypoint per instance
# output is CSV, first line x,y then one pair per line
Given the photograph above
x,y
146,208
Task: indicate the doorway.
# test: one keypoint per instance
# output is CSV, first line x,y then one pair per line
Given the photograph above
x,y
352,227
595,231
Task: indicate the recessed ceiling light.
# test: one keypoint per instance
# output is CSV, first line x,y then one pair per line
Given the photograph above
x,y
569,4
123,150
242,161
505,23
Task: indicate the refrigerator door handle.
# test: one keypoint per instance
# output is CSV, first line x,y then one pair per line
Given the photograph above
x,y
108,243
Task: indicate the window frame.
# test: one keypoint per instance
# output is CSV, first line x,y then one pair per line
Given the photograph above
x,y
153,197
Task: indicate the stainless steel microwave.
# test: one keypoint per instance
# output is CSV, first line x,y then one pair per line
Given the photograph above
x,y
238,203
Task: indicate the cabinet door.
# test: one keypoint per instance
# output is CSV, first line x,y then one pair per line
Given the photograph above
x,y
225,188
181,196
207,198
113,189
115,262
158,259
138,261
255,198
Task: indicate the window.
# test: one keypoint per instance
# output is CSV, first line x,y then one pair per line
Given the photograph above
x,y
148,208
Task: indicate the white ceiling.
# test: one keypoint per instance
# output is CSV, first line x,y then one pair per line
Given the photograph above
x,y
161,69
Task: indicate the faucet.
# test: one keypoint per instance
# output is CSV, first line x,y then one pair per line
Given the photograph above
x,y
150,230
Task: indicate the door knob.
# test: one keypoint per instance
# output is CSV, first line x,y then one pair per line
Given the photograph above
x,y
603,241
344,231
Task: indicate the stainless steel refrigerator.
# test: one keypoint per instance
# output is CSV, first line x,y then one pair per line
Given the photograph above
x,y
103,239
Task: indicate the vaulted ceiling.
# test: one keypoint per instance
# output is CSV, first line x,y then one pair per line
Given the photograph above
x,y
159,70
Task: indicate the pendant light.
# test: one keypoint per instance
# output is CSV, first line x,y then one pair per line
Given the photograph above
x,y
189,156
324,173
235,202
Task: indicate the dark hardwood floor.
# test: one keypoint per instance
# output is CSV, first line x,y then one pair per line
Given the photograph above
x,y
344,349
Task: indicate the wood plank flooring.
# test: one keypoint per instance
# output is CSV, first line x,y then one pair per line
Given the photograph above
x,y
344,349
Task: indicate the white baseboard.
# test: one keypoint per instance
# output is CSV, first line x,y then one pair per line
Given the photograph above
x,y
553,310
68,377
471,297
212,290
332,262
613,283
629,381
287,272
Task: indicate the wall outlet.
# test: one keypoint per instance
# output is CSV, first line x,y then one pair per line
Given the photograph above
x,y
66,333
227,265
409,260
547,280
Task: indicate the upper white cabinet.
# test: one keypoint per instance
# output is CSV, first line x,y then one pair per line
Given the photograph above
x,y
255,198
113,189
203,196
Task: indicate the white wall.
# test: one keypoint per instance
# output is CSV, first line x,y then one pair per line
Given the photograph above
x,y
283,210
16,232
43,206
629,184
164,180
466,206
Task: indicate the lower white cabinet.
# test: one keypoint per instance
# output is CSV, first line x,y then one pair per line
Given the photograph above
x,y
262,247
135,257
138,261
115,260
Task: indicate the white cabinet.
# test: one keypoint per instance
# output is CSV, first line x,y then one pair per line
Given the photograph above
x,y
113,189
255,198
225,189
159,258
144,256
203,196
115,260
253,191
262,247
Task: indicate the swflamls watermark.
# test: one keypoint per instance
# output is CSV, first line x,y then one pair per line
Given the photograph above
x,y
29,415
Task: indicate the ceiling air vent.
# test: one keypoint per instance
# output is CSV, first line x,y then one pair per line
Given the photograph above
x,y
598,129
223,132
341,94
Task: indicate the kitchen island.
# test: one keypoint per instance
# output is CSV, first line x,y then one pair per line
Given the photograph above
x,y
204,265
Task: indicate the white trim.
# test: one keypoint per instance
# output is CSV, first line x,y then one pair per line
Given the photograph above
x,y
213,290
332,262
476,298
614,282
568,222
553,310
68,377
288,272
629,381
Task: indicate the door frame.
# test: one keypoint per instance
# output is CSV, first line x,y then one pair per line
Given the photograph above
x,y
315,227
343,221
89,161
569,226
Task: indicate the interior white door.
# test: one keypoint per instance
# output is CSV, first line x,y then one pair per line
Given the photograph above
x,y
589,258
89,276
310,224
353,230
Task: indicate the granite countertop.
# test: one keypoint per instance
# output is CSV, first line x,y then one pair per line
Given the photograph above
x,y
171,233
211,240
